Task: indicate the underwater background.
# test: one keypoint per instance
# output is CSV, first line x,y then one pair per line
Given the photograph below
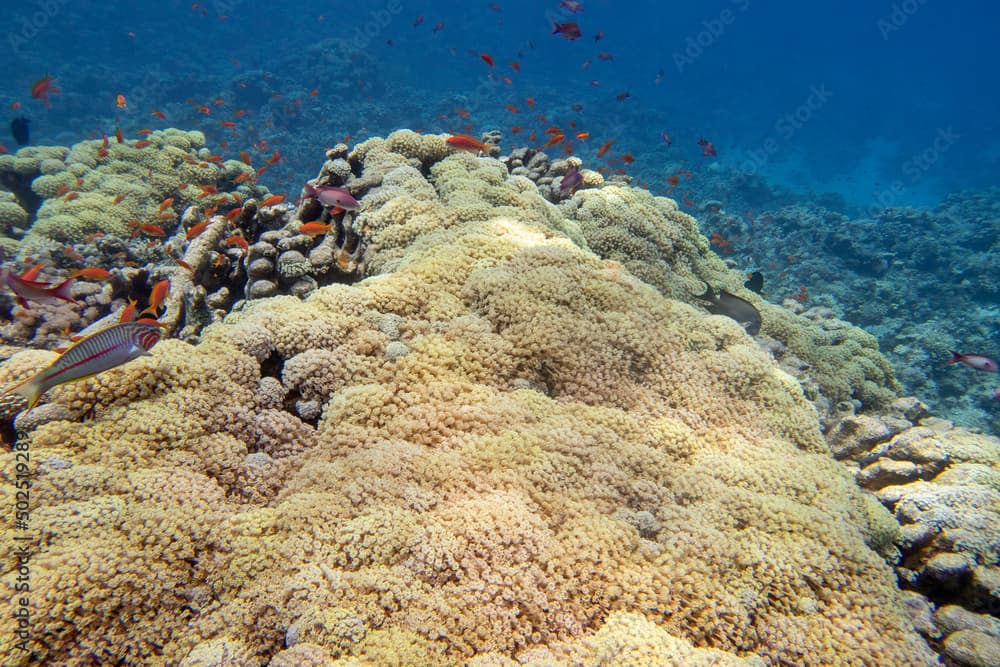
x,y
500,333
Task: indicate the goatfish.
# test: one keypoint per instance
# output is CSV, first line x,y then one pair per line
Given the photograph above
x,y
93,354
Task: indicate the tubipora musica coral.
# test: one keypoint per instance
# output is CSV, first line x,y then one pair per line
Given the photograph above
x,y
496,449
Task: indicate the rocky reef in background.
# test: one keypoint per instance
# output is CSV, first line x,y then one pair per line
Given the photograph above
x,y
920,280
493,430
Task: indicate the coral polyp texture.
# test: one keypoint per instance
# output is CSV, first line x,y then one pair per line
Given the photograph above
x,y
498,448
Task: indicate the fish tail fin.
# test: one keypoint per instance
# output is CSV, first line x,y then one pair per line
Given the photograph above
x,y
31,389
955,358
63,290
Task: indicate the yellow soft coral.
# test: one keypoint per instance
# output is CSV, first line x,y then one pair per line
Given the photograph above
x,y
523,454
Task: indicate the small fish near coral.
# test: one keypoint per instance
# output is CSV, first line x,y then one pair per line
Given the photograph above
x,y
755,282
977,361
20,131
332,196
31,290
571,181
732,306
96,353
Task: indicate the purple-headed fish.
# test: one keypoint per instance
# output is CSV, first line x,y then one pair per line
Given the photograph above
x,y
94,354
332,196
977,361
31,290
571,181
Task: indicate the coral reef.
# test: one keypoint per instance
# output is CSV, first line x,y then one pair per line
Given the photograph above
x,y
498,448
878,270
943,485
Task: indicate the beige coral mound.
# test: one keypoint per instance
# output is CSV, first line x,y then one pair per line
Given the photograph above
x,y
522,454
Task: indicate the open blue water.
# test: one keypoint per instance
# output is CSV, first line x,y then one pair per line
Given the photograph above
x,y
884,102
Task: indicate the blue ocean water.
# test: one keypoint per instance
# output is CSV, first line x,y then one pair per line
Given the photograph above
x,y
887,103
853,106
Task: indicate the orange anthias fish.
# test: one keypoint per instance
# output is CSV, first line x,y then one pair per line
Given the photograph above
x,y
556,139
128,312
464,142
42,88
272,200
313,228
158,296
604,148
91,273
487,58
120,102
148,230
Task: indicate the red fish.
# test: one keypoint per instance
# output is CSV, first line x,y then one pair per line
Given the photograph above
x,y
121,102
569,31
25,290
487,58
556,139
128,312
313,228
329,195
466,143
977,361
707,148
148,230
91,273
604,148
194,231
238,241
157,297
42,88
272,200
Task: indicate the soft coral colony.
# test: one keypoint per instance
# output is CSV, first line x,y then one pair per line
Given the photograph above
x,y
468,439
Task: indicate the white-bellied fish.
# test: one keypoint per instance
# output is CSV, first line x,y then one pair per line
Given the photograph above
x,y
32,290
978,361
94,354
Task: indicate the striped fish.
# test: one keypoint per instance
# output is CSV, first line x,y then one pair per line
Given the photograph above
x,y
94,354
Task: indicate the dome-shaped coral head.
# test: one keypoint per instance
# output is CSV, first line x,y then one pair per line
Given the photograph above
x,y
332,196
